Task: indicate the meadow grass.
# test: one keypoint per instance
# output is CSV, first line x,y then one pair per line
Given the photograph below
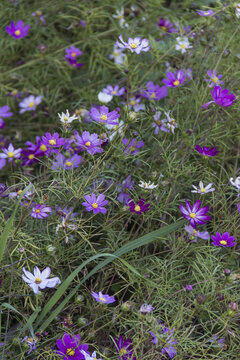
x,y
146,258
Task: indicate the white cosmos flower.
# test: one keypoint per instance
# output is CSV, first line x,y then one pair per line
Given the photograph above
x,y
202,189
88,356
116,129
120,16
118,56
104,98
182,44
147,186
39,279
236,182
237,11
66,118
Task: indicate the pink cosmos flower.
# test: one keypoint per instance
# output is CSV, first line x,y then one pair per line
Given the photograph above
x,y
139,207
154,92
17,31
95,204
134,45
221,97
195,214
70,348
166,26
41,211
67,163
207,151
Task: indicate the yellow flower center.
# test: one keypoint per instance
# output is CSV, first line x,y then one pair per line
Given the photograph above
x,y
11,154
116,53
38,13
183,46
19,192
164,28
88,144
114,92
103,117
43,147
176,83
65,118
102,299
38,280
153,95
194,231
192,215
206,13
14,92
68,163
70,352
31,104
120,17
137,208
203,190
223,242
158,122
122,352
215,79
94,205
17,32
31,156
37,211
52,142
132,102
73,54
133,46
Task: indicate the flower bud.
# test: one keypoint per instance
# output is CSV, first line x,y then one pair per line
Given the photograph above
x,y
126,306
188,287
79,299
200,299
82,321
51,250
227,272
233,306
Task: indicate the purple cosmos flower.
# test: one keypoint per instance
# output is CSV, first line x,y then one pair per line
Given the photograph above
x,y
70,348
205,13
224,240
217,343
31,156
124,348
66,214
72,53
95,204
134,103
214,79
195,214
29,103
166,26
134,45
3,189
2,163
104,299
42,47
4,112
39,146
71,56
31,343
221,97
159,124
52,141
17,31
196,233
124,188
104,116
40,279
139,207
41,211
83,23
66,163
10,153
206,151
113,90
154,92
133,146
89,142
145,308
174,79
17,192
40,16
166,336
